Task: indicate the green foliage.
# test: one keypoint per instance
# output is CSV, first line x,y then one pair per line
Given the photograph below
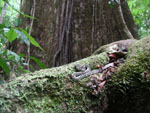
x,y
141,12
37,61
15,9
9,60
11,35
4,66
11,18
32,40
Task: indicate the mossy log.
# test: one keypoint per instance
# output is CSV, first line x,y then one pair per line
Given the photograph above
x,y
49,90
128,90
53,90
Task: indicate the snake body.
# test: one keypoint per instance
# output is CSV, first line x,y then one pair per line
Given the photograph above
x,y
84,71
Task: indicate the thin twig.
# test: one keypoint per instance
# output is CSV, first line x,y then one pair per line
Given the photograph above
x,y
30,30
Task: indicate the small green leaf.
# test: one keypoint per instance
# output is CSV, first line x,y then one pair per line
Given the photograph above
x,y
11,35
26,71
23,37
4,66
32,40
21,55
41,65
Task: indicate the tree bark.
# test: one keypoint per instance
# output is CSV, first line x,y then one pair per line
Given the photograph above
x,y
99,25
52,90
64,43
70,30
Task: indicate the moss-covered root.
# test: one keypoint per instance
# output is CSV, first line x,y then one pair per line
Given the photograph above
x,y
128,90
109,47
49,91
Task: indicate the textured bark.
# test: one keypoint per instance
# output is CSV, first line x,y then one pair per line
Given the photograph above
x,y
99,25
43,30
71,32
63,46
52,90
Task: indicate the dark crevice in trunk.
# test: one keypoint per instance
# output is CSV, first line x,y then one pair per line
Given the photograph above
x,y
64,36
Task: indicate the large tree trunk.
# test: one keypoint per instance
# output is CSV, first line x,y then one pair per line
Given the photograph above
x,y
96,23
52,90
69,30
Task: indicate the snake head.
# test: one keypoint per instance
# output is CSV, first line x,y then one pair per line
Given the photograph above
x,y
81,68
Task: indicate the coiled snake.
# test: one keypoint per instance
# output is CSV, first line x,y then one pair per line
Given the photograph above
x,y
84,71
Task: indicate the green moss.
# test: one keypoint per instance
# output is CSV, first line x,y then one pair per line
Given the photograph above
x,y
49,90
138,59
52,90
128,86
